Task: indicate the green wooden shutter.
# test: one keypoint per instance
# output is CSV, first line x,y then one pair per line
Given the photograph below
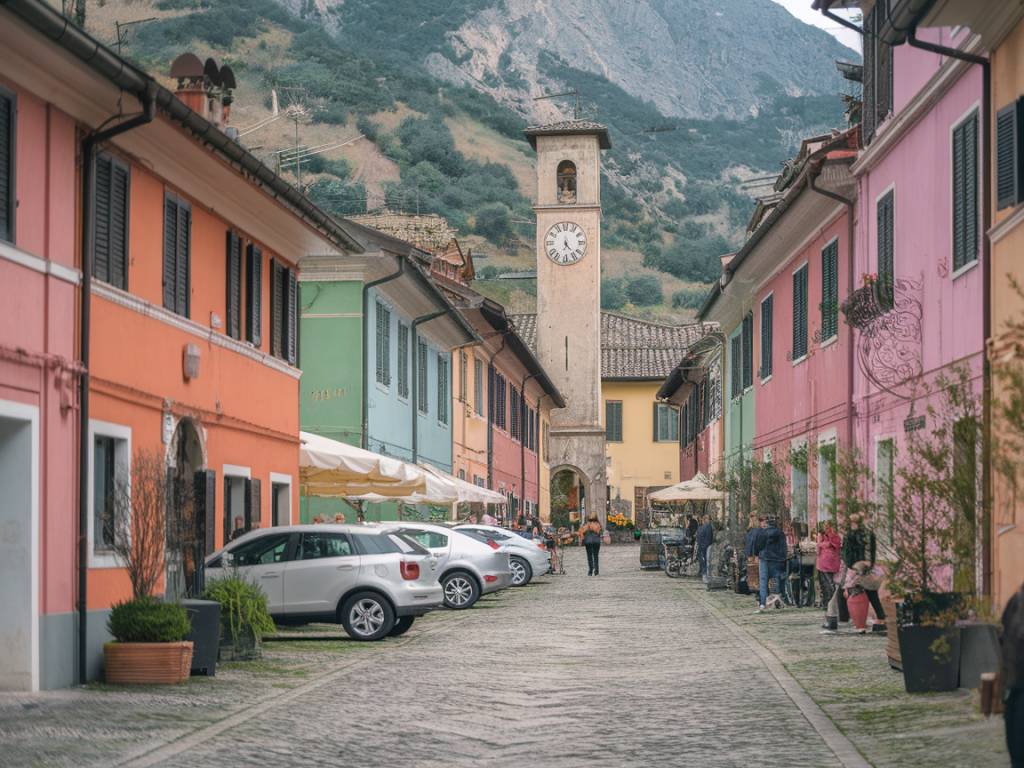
x,y
233,273
959,196
101,219
292,320
1009,157
277,289
119,181
170,253
654,432
254,295
767,307
735,367
830,290
885,215
868,120
748,350
7,188
182,258
800,313
970,140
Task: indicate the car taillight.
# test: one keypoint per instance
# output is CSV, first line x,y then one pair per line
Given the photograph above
x,y
490,578
493,544
410,571
541,544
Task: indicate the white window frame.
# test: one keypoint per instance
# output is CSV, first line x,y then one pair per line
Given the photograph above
x,y
796,443
825,438
671,408
884,530
280,478
975,109
123,462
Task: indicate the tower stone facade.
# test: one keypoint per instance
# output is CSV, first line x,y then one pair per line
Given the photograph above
x,y
569,295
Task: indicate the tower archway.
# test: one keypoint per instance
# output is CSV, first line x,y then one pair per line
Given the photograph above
x,y
568,496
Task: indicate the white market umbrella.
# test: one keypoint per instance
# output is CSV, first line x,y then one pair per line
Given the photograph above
x,y
467,492
698,488
335,469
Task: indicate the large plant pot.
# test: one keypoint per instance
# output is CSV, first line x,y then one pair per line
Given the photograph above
x,y
979,652
931,658
147,663
858,605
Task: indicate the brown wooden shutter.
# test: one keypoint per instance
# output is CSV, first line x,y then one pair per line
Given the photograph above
x,y
233,274
292,317
7,189
254,295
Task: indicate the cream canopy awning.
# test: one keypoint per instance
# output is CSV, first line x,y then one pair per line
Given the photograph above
x,y
698,488
442,488
335,469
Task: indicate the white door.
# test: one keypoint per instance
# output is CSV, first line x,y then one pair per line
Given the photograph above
x,y
325,567
262,561
19,662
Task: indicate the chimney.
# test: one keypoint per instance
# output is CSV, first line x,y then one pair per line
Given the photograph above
x,y
206,89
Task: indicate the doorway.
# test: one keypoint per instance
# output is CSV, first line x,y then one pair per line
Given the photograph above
x,y
186,534
19,515
568,498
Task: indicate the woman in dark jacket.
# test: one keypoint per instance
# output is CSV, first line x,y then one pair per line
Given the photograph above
x,y
859,544
590,536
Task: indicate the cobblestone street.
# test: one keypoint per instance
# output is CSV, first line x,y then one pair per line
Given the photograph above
x,y
629,668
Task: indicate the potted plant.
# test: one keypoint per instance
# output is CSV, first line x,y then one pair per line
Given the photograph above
x,y
244,618
149,644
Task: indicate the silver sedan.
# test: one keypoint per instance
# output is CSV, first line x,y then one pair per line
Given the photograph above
x,y
526,557
466,566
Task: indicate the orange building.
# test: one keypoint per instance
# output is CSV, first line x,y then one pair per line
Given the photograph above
x,y
185,321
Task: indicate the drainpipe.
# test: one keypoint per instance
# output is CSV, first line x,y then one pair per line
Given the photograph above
x,y
490,412
416,376
849,203
540,447
522,441
986,213
365,436
89,144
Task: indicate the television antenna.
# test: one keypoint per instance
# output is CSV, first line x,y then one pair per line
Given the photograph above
x,y
123,28
575,93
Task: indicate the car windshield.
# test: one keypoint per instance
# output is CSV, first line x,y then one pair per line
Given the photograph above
x,y
429,539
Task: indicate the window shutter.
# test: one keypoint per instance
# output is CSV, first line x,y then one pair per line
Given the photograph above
x,y
868,90
293,319
800,313
254,294
253,510
767,307
248,505
170,253
959,196
737,366
684,416
748,350
970,250
206,507
830,290
885,226
1009,157
7,191
655,429
228,522
233,272
101,219
183,251
119,177
276,308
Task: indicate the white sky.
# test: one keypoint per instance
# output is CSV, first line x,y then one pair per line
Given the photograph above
x,y
803,11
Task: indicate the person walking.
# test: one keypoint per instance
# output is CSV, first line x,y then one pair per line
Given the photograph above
x,y
827,563
859,545
772,553
590,536
705,538
1013,676
691,528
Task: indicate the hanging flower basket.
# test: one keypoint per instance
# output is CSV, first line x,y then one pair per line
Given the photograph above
x,y
868,303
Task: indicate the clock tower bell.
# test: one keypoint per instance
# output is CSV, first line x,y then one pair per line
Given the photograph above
x,y
569,295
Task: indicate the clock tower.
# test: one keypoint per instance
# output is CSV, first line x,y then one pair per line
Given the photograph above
x,y
569,295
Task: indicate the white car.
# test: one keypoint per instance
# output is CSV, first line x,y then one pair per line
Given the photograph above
x,y
374,582
466,566
526,558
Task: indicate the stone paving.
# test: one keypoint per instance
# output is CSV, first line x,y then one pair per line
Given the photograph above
x,y
627,669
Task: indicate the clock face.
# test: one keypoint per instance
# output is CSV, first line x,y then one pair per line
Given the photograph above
x,y
565,243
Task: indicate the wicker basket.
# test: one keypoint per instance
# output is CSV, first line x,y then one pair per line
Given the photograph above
x,y
147,663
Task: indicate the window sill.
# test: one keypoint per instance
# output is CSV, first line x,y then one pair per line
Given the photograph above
x,y
964,269
799,360
829,342
766,379
382,387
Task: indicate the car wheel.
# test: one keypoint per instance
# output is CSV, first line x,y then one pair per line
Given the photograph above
x,y
522,573
401,626
367,616
460,590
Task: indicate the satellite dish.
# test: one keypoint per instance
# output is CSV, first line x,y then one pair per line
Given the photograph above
x,y
186,66
212,71
227,77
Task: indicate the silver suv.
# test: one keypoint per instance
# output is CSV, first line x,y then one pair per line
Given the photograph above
x,y
467,567
374,582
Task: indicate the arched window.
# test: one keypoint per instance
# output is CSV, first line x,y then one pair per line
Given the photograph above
x,y
567,182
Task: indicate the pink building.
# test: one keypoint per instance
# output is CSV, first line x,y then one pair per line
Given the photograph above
x,y
919,230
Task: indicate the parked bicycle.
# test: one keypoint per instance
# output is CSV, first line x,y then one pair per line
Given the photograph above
x,y
680,556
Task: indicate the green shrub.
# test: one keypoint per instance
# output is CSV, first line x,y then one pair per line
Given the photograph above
x,y
644,291
613,293
494,221
689,298
147,620
243,608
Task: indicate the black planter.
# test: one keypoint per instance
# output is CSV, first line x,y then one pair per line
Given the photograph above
x,y
930,657
979,652
205,635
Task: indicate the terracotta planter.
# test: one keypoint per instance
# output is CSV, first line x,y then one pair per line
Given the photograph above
x,y
858,605
147,663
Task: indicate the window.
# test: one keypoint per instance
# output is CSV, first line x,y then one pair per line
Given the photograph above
x,y
877,73
666,423
885,455
177,253
463,373
280,502
885,215
283,312
254,294
567,182
383,317
798,484
316,546
478,385
767,314
498,399
442,388
532,429
613,421
965,192
241,501
8,194
110,221
266,550
515,422
422,397
109,497
546,437
800,313
748,350
736,367
826,481
233,270
965,484
403,360
1009,154
428,539
830,290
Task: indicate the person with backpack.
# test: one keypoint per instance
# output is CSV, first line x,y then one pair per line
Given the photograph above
x,y
590,536
1013,676
772,554
859,545
705,538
